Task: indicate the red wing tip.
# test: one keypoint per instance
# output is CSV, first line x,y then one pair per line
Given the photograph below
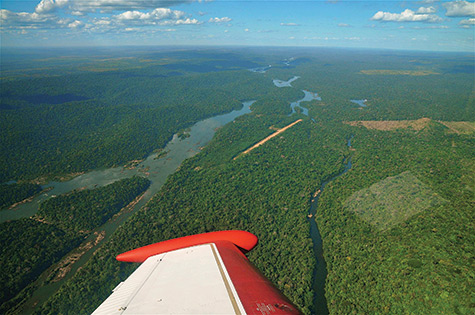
x,y
244,240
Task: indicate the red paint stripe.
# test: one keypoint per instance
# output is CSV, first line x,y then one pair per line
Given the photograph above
x,y
242,239
257,294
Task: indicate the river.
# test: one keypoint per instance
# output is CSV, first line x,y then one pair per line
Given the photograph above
x,y
361,103
281,83
320,271
309,96
156,170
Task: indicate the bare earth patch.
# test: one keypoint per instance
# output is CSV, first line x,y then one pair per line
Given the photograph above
x,y
458,127
66,264
392,200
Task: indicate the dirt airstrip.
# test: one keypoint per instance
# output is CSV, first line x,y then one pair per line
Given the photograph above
x,y
279,131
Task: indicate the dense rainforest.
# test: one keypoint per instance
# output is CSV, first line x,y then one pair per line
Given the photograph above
x,y
87,209
397,228
74,122
31,245
14,192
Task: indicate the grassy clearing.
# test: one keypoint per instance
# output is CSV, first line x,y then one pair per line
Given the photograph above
x,y
387,125
460,127
399,72
392,200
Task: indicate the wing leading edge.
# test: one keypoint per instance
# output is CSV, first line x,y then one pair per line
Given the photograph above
x,y
199,274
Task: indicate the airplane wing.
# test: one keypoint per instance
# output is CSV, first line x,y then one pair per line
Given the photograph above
x,y
198,274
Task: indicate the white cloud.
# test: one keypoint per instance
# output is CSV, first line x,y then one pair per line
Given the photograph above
x,y
442,27
246,30
76,24
343,25
220,20
460,8
104,21
47,6
182,22
10,20
289,24
85,6
470,21
77,13
405,16
46,15
157,14
426,10
160,16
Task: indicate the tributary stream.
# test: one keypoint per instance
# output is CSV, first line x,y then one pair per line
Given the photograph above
x,y
320,271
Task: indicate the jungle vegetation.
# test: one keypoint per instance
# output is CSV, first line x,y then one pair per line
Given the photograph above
x,y
420,264
30,245
15,192
84,210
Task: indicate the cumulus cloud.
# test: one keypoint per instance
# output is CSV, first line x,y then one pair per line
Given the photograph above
x,y
460,8
121,15
85,6
76,24
187,21
9,20
220,20
157,14
405,16
470,21
47,6
426,10
160,16
289,24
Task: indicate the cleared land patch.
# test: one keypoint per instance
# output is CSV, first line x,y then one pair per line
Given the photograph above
x,y
392,200
279,131
459,127
418,124
399,72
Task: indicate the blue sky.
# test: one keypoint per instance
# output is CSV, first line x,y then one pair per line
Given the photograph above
x,y
412,25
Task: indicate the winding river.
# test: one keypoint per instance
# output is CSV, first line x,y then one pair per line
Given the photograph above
x,y
281,83
320,271
157,170
309,96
